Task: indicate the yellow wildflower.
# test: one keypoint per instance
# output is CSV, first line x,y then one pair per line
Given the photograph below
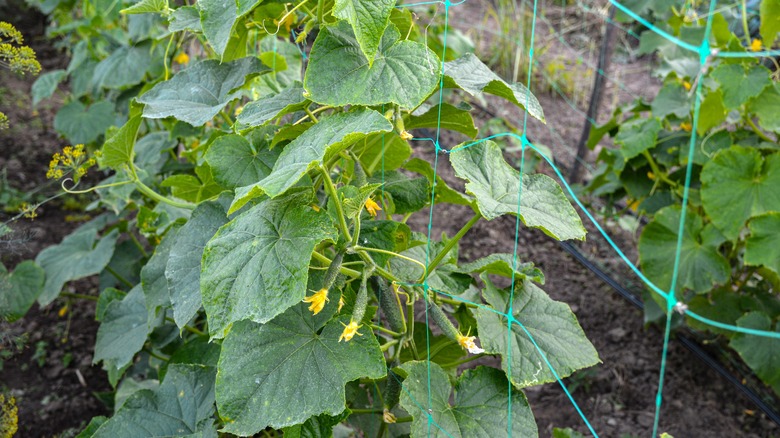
x,y
28,210
685,126
687,85
350,330
72,159
372,207
181,58
756,45
317,301
8,416
467,342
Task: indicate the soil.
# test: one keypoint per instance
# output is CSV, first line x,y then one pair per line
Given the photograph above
x,y
618,396
46,357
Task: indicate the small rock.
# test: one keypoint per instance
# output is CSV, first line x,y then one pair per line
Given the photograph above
x,y
611,422
617,333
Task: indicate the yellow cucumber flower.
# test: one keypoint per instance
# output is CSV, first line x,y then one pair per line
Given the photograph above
x,y
350,330
317,301
467,342
685,126
756,45
341,302
388,416
372,207
181,58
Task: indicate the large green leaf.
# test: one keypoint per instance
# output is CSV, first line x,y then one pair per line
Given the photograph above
x,y
713,112
146,7
281,373
265,109
474,77
770,21
327,138
672,99
409,194
446,278
118,150
445,116
479,409
701,265
126,66
123,330
256,266
368,19
183,269
46,85
763,245
236,161
181,406
740,83
404,72
185,18
197,94
637,136
75,257
193,188
382,151
552,325
19,289
153,280
737,184
761,353
218,20
83,125
765,107
494,184
443,192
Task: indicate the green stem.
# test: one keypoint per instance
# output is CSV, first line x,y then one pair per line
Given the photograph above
x,y
356,231
758,132
226,117
79,296
391,253
657,170
189,328
155,355
462,361
119,277
138,245
451,243
346,271
331,190
320,10
143,188
384,330
455,302
745,27
311,115
403,420
367,411
389,344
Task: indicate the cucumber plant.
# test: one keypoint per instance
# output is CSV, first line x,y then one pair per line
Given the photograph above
x,y
729,269
281,288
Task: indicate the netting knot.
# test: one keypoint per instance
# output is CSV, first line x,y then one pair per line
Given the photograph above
x,y
681,308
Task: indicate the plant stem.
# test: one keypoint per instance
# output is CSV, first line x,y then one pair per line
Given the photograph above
x,y
138,244
189,328
388,331
386,346
320,10
367,411
119,277
143,188
745,27
403,420
758,132
462,361
155,355
346,271
451,243
331,190
656,170
390,253
79,296
311,115
455,302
